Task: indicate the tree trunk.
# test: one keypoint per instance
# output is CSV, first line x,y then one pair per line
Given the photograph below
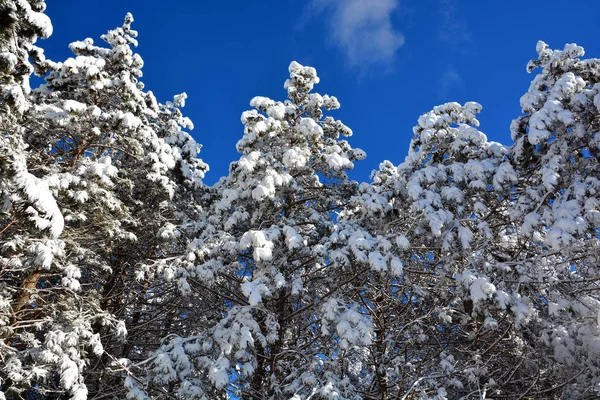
x,y
23,295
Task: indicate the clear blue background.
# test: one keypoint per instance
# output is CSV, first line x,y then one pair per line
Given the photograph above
x,y
222,53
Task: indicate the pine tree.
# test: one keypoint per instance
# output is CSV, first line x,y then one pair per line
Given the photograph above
x,y
125,177
266,252
556,217
430,220
497,249
21,23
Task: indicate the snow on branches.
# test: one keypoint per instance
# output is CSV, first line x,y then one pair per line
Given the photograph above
x,y
469,270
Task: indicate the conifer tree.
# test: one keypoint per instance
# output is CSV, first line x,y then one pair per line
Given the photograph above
x,y
266,250
556,218
119,174
497,248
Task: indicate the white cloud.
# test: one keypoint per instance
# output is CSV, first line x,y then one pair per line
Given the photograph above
x,y
453,27
362,29
450,79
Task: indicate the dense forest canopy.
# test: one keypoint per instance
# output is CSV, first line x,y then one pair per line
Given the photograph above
x,y
470,270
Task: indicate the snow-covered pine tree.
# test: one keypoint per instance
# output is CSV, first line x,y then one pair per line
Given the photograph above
x,y
26,201
554,244
430,218
125,177
281,328
497,248
21,23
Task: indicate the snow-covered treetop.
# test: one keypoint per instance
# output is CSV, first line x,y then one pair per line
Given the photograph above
x,y
447,134
23,21
102,85
292,138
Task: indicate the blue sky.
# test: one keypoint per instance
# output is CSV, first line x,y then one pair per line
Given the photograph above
x,y
387,61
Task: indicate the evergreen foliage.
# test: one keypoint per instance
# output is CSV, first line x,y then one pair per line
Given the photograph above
x,y
468,271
